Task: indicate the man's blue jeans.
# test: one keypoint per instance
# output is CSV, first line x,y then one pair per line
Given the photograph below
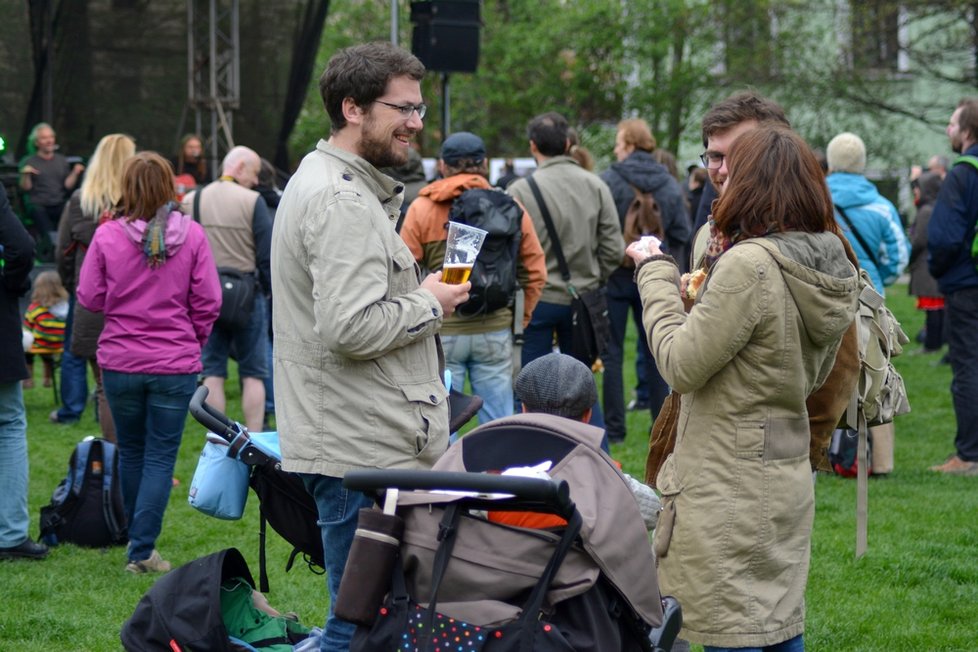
x,y
74,377
796,644
962,352
488,359
550,319
14,518
149,413
338,511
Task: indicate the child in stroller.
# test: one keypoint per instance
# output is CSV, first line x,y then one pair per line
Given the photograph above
x,y
587,586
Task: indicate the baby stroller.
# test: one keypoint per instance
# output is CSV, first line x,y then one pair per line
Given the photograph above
x,y
284,502
588,584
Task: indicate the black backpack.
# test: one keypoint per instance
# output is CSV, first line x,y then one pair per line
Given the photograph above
x,y
86,508
493,278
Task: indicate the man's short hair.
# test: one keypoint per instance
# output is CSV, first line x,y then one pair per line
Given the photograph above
x,y
36,132
556,384
549,133
362,72
740,107
968,118
636,132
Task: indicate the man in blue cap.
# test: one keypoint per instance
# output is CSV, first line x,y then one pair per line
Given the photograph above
x,y
478,338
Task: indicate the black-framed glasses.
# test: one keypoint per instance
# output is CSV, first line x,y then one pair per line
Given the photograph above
x,y
406,109
712,160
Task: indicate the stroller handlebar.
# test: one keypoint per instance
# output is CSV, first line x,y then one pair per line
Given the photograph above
x,y
211,418
552,494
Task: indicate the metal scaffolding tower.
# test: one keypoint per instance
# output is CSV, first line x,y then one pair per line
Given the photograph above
x,y
213,73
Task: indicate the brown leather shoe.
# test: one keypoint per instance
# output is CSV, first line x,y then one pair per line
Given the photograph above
x,y
957,466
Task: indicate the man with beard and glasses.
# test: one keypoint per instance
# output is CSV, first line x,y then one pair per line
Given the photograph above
x,y
357,362
950,234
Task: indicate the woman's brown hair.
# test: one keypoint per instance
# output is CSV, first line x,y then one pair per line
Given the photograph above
x,y
636,132
184,166
147,184
775,184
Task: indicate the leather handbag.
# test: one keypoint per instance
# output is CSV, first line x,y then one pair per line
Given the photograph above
x,y
662,439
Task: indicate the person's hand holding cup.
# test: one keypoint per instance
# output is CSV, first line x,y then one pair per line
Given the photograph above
x,y
462,246
451,285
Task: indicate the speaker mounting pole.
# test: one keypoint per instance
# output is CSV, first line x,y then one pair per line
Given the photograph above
x,y
395,23
446,108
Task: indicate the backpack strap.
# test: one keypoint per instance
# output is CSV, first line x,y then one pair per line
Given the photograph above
x,y
859,238
197,194
854,415
967,158
552,232
262,564
972,161
108,462
110,466
79,465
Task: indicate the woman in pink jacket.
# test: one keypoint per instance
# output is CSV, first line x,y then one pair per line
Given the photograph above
x,y
150,271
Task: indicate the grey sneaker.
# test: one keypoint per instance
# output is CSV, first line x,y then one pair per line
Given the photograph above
x,y
155,564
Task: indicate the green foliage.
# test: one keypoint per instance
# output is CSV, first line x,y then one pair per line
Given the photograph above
x,y
667,61
912,591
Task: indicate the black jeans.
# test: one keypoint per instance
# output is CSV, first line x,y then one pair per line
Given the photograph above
x,y
962,342
934,329
622,296
46,220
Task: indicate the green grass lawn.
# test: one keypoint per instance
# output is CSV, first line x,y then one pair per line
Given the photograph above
x,y
915,589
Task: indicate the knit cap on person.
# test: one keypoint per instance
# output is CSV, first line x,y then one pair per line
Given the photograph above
x,y
556,384
463,146
846,153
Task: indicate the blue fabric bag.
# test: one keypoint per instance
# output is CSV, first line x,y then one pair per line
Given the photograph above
x,y
220,484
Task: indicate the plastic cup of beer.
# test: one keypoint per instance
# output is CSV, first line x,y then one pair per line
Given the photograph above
x,y
461,248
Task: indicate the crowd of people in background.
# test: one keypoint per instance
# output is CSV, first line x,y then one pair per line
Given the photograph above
x,y
354,320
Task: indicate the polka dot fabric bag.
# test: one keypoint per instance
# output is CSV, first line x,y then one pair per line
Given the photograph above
x,y
402,625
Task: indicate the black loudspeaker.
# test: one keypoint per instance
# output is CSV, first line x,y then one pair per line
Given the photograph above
x,y
446,34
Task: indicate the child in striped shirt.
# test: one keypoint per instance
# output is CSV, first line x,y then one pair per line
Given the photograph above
x,y
45,320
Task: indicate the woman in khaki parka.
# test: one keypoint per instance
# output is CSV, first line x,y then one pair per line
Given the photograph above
x,y
734,537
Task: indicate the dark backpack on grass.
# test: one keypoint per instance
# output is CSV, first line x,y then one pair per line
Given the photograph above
x,y
86,508
493,278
